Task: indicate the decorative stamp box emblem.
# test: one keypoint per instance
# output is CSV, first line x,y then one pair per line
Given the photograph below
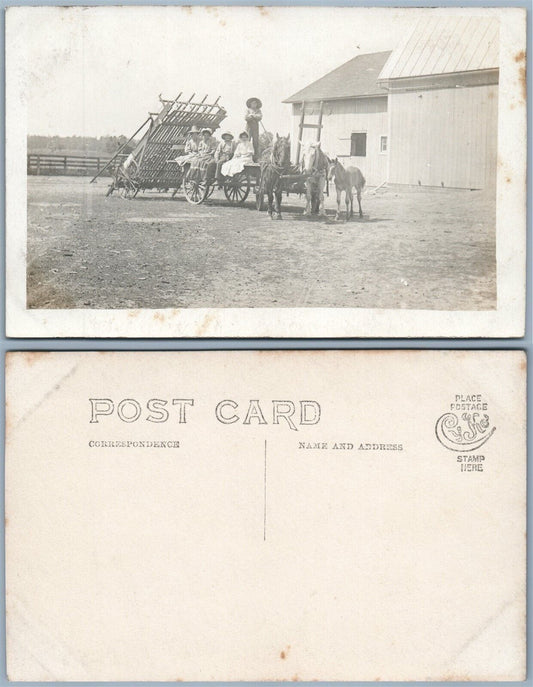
x,y
466,427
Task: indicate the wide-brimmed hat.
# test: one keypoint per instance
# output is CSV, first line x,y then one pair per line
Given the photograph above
x,y
251,100
244,133
193,130
207,131
227,134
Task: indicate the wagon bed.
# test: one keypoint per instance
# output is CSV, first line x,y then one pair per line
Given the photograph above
x,y
151,164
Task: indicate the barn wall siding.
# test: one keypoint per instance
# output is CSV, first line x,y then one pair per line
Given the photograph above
x,y
445,137
341,118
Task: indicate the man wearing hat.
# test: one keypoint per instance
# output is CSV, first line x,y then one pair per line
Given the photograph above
x,y
253,116
224,152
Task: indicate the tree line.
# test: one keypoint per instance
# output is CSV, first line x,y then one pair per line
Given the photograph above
x,y
101,146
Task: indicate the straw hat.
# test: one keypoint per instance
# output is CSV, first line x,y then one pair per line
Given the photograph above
x,y
244,134
227,135
251,100
193,130
207,131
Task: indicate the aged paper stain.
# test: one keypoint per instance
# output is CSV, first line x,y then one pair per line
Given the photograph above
x,y
32,357
205,324
284,654
520,58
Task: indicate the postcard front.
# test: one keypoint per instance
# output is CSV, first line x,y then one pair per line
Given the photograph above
x,y
237,174
266,516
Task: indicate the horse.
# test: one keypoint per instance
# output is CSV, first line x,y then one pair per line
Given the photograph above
x,y
345,180
274,163
315,165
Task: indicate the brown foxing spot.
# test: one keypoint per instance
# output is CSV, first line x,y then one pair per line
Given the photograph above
x,y
32,357
522,82
205,324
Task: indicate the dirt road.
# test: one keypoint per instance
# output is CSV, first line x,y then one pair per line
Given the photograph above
x,y
420,248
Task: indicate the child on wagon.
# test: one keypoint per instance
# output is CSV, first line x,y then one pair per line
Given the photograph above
x,y
253,116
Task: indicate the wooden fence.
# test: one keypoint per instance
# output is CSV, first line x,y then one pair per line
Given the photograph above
x,y
67,165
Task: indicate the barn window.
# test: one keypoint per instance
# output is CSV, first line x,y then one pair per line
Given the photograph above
x,y
358,147
383,144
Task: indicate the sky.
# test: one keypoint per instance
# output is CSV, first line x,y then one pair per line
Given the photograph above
x,y
98,71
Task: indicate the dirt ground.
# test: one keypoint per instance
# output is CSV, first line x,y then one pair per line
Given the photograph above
x,y
414,248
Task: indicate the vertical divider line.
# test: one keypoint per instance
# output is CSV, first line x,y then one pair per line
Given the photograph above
x,y
265,495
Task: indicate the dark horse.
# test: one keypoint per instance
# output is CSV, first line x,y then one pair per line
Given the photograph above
x,y
275,162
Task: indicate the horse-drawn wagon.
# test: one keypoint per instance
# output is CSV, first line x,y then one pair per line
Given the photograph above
x,y
157,162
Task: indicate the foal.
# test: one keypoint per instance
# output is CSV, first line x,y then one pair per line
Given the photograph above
x,y
345,180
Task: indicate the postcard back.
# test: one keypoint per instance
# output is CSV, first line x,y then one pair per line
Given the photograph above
x,y
266,516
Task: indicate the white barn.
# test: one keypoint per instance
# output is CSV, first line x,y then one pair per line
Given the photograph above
x,y
424,114
355,119
443,103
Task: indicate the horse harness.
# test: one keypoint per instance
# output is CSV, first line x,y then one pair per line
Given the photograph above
x,y
274,168
318,171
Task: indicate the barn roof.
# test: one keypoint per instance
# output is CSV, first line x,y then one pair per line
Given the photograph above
x,y
442,45
355,78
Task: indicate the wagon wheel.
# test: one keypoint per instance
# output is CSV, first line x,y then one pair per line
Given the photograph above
x,y
196,190
210,190
128,190
237,188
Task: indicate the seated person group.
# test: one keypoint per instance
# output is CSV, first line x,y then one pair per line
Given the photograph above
x,y
210,159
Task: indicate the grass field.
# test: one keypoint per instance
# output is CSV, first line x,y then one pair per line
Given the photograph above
x,y
414,248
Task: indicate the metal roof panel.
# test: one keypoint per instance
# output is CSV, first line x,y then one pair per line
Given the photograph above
x,y
443,45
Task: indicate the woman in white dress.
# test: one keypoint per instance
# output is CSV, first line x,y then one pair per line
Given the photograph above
x,y
243,155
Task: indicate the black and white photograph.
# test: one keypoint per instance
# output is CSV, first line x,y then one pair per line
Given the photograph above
x,y
265,171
